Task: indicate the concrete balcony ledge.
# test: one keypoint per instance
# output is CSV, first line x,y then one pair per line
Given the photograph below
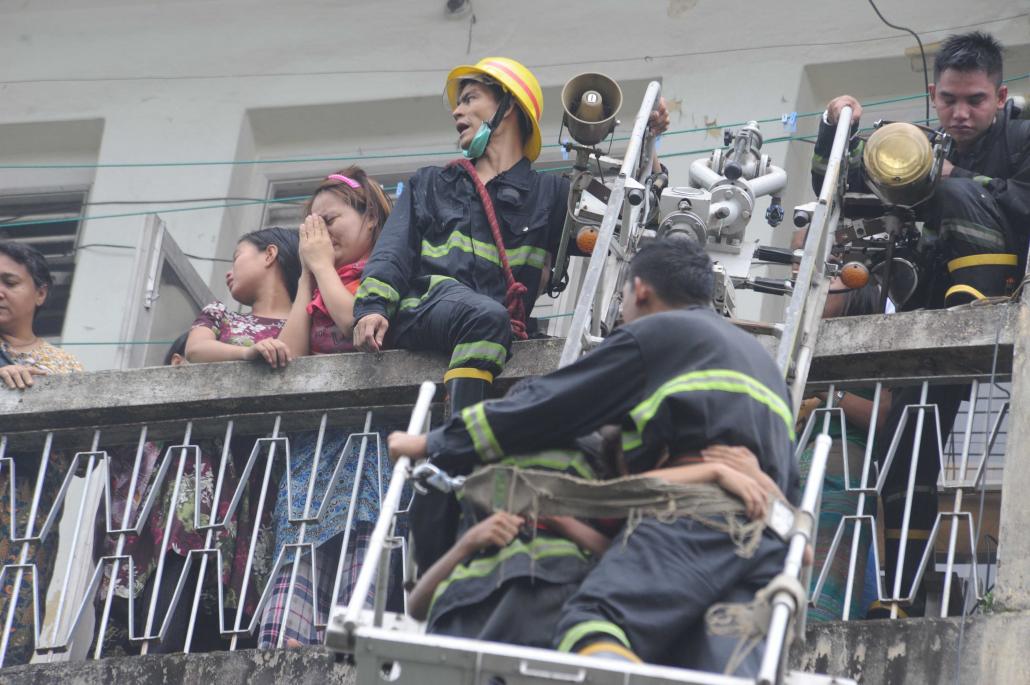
x,y
904,652
923,651
337,381
307,666
953,343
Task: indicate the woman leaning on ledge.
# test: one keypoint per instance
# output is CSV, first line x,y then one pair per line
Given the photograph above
x,y
25,283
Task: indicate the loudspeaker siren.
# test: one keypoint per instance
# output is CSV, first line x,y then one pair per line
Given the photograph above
x,y
586,125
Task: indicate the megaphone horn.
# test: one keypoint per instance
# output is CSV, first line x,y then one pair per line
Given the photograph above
x,y
590,103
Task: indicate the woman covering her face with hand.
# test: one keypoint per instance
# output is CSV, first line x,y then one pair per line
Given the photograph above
x,y
343,220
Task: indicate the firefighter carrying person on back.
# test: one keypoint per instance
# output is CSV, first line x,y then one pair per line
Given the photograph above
x,y
467,251
974,243
677,378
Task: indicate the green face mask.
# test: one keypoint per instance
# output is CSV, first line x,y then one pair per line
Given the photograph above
x,y
479,142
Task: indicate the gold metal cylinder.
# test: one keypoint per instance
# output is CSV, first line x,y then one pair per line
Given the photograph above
x,y
898,158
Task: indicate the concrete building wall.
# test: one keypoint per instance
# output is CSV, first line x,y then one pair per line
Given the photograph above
x,y
106,82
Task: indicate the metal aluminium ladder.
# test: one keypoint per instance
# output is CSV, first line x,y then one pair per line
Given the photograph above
x,y
804,312
626,201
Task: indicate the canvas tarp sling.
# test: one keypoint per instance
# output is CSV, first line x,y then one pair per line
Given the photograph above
x,y
534,493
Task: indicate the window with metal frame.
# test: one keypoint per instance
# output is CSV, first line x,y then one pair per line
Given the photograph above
x,y
57,240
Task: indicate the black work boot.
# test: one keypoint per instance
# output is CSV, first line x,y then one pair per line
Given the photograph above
x,y
979,276
466,390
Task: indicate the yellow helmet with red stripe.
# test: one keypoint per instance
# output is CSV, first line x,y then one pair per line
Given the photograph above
x,y
513,77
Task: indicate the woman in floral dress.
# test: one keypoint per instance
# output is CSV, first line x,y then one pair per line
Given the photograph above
x,y
264,275
139,547
344,218
25,282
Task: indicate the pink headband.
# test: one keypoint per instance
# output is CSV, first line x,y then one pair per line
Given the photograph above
x,y
344,179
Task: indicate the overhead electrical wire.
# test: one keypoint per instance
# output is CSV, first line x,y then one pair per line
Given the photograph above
x,y
297,199
418,153
922,52
133,247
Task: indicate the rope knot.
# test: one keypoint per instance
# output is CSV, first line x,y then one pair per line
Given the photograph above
x,y
516,307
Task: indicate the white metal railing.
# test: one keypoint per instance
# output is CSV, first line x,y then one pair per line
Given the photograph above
x,y
955,539
145,488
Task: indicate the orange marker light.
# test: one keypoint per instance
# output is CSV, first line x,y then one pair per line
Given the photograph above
x,y
586,238
854,275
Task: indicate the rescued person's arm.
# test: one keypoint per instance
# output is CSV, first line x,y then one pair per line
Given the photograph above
x,y
736,482
496,531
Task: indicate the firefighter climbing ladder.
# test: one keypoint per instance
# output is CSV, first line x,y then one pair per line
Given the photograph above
x,y
384,651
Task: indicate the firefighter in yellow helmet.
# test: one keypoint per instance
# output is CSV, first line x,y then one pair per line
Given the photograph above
x,y
468,247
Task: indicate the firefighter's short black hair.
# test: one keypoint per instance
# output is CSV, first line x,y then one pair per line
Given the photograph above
x,y
678,269
973,51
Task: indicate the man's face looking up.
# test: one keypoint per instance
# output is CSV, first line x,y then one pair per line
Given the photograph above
x,y
966,104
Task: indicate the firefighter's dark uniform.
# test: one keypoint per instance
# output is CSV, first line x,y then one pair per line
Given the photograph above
x,y
435,272
978,217
976,229
436,275
676,382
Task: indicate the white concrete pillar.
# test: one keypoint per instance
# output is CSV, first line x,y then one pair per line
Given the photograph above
x,y
150,134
